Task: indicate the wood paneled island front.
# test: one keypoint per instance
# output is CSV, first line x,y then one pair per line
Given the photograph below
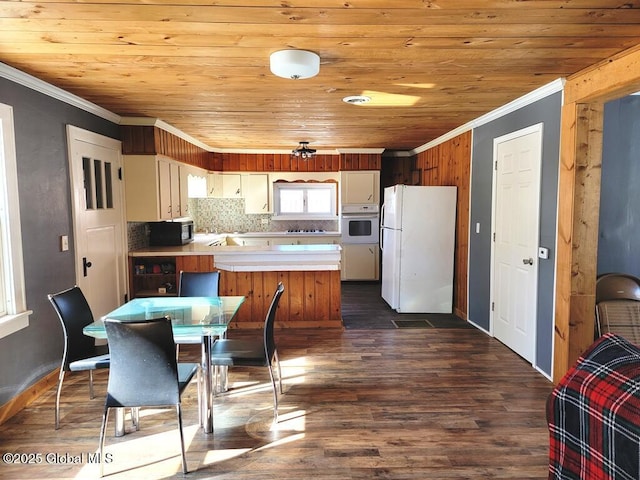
x,y
310,274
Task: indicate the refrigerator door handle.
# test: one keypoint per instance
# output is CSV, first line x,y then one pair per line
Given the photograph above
x,y
381,216
381,238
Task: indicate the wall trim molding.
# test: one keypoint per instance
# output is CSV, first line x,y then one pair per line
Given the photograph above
x,y
41,86
28,396
531,97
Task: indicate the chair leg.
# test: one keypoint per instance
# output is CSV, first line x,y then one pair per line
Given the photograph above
x,y
184,455
275,395
199,380
135,417
60,379
275,356
105,417
91,395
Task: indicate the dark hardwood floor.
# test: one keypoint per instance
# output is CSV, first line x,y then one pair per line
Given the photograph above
x,y
403,404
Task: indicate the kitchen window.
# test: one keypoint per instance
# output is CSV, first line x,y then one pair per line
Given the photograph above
x,y
13,312
305,201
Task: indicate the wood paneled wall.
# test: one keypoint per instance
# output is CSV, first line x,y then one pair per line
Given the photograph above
x,y
151,140
310,299
275,162
449,164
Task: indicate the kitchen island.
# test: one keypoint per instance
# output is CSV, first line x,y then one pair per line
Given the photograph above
x,y
310,274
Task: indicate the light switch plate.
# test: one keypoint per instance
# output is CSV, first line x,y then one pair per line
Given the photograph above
x,y
64,243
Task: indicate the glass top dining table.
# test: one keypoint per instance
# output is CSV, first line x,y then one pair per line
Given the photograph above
x,y
207,317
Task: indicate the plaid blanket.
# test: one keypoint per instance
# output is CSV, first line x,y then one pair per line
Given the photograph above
x,y
594,415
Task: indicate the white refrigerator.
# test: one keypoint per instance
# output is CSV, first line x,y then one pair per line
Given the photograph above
x,y
417,239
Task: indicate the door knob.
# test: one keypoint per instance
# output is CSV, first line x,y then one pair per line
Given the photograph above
x,y
85,265
528,261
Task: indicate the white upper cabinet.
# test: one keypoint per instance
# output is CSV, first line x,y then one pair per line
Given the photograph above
x,y
153,188
255,187
360,187
224,185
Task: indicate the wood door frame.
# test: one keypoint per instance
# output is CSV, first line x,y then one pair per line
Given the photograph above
x,y
585,94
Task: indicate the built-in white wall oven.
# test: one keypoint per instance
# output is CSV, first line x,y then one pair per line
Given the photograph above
x,y
360,224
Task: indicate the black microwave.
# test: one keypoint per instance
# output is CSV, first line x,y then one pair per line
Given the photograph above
x,y
171,233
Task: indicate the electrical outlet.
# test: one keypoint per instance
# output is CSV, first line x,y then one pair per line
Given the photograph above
x,y
264,221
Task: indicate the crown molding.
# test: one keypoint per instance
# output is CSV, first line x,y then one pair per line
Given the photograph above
x,y
41,86
531,97
258,151
156,122
360,150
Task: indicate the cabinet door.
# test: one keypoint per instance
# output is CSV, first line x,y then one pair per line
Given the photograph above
x,y
183,186
214,185
360,262
164,186
176,198
141,188
231,185
319,240
284,241
360,187
255,187
255,242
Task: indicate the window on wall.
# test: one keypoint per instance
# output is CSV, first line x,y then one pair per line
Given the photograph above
x,y
301,201
13,312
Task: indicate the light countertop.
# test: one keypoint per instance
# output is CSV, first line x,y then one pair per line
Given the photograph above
x,y
255,258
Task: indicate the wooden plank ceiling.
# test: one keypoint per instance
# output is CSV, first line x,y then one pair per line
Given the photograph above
x,y
203,65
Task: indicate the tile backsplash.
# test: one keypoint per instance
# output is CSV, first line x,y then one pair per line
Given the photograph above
x,y
226,215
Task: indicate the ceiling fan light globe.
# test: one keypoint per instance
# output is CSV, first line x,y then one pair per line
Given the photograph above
x,y
294,64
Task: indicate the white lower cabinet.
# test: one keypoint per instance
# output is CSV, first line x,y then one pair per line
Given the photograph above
x,y
240,241
360,262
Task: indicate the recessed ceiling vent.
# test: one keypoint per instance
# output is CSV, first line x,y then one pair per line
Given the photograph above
x,y
357,99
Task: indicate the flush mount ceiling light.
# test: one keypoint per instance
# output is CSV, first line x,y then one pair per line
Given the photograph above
x,y
357,99
295,64
303,151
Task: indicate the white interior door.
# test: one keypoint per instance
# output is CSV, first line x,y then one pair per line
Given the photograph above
x,y
516,232
98,213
